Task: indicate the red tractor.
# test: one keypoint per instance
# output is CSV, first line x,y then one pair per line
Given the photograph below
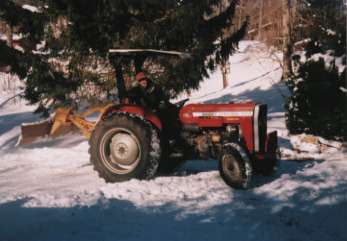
x,y
128,140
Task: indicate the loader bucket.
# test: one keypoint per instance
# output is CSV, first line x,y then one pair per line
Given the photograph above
x,y
54,127
33,131
64,121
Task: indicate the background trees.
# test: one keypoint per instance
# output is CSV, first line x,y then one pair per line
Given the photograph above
x,y
318,103
312,36
69,42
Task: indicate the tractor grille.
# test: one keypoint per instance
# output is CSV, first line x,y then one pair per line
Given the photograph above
x,y
260,127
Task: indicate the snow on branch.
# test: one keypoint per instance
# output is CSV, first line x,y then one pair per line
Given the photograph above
x,y
31,8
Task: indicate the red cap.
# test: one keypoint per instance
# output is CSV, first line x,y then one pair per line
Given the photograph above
x,y
140,76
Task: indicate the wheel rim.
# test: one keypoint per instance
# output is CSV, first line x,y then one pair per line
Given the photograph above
x,y
120,150
231,168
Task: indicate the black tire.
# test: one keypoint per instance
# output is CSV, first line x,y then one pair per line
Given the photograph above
x,y
235,167
124,147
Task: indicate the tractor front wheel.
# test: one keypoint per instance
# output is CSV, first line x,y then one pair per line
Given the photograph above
x,y
235,167
124,147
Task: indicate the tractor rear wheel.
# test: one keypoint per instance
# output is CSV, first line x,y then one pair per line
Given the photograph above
x,y
235,167
124,147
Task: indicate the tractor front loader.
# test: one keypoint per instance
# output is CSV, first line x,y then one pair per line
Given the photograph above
x,y
63,121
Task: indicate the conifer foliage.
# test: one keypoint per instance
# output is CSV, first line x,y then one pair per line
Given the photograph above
x,y
319,98
75,37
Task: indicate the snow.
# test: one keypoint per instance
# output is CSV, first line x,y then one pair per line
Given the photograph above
x,y
31,8
302,146
328,57
303,41
343,89
49,190
331,32
14,36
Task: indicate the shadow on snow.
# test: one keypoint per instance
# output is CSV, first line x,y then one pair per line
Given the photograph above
x,y
249,215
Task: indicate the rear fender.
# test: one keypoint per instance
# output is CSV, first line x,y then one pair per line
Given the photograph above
x,y
135,110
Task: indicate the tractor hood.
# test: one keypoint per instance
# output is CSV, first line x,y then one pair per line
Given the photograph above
x,y
216,114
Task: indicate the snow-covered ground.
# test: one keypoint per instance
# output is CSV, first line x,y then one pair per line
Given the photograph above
x,y
49,191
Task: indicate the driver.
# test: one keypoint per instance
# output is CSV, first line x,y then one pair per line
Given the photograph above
x,y
151,97
147,94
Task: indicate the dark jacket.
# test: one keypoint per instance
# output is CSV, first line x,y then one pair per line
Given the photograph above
x,y
151,97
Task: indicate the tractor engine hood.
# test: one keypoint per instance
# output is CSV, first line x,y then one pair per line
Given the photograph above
x,y
216,115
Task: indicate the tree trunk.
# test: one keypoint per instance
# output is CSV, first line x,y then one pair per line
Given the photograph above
x,y
9,36
287,40
9,40
260,20
239,19
225,67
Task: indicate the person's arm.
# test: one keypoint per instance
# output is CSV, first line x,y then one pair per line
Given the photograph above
x,y
161,99
135,96
150,99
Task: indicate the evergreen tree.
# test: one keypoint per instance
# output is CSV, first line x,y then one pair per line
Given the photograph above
x,y
318,102
78,35
43,82
27,23
322,23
